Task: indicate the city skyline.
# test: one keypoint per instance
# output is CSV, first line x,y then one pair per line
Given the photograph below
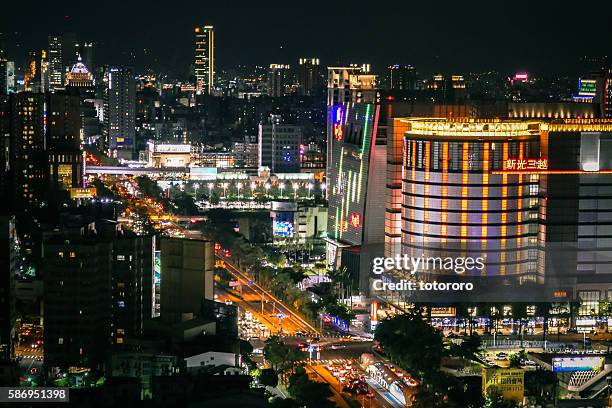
x,y
470,40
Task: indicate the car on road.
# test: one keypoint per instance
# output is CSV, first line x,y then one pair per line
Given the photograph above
x,y
337,346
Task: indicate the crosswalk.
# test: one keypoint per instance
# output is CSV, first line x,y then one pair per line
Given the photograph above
x,y
30,356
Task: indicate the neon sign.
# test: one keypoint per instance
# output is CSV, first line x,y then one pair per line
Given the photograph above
x,y
525,164
356,220
338,129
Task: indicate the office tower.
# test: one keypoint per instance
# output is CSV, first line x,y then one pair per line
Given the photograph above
x,y
278,79
402,77
44,71
355,189
279,145
132,291
309,76
7,75
80,79
97,290
27,148
354,83
187,278
77,277
120,111
205,59
8,241
56,63
63,141
32,76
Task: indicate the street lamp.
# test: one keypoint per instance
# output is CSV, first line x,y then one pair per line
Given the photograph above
x,y
267,187
282,186
195,188
310,187
238,187
210,187
295,190
225,185
253,186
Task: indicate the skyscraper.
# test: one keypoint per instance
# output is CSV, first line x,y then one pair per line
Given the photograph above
x,y
56,64
354,83
7,75
8,239
356,186
309,76
279,145
187,280
278,78
120,111
204,59
27,147
402,77
63,139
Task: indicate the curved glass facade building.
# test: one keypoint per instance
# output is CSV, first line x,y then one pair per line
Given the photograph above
x,y
454,205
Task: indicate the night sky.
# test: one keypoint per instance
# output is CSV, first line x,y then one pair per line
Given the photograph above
x,y
446,37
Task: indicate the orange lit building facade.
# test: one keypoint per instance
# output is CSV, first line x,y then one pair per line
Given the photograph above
x,y
528,196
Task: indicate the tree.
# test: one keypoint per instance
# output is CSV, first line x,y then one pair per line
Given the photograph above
x,y
541,385
148,187
268,377
307,392
412,343
516,359
470,346
281,357
185,204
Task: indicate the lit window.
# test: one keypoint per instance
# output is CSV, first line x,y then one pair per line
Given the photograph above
x,y
121,257
72,254
60,254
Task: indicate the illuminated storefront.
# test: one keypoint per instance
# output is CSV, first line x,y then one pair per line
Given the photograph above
x,y
528,196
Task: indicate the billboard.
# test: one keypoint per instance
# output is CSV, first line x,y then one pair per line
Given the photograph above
x,y
283,228
571,364
510,382
82,192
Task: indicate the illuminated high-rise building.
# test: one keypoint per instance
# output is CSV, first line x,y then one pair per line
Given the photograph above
x,y
120,111
7,74
279,145
205,59
354,83
27,148
63,141
355,190
278,79
7,77
309,76
524,195
402,77
56,63
8,270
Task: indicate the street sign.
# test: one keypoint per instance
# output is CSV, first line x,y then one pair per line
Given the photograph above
x,y
280,315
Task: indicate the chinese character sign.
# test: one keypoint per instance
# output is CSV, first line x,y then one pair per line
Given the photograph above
x,y
356,220
338,117
526,165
